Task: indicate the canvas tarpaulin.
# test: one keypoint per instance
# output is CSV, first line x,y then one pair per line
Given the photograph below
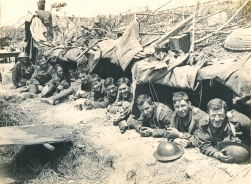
x,y
183,77
237,77
122,50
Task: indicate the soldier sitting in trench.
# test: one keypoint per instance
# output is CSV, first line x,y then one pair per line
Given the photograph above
x,y
154,118
221,125
97,97
78,89
185,120
22,71
57,84
43,74
121,107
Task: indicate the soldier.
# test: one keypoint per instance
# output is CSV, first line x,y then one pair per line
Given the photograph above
x,y
22,71
221,125
154,118
97,99
43,74
78,89
121,107
185,120
58,83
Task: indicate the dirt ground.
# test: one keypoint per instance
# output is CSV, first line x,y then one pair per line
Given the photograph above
x,y
101,154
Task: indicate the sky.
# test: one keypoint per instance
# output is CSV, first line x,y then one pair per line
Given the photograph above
x,y
13,11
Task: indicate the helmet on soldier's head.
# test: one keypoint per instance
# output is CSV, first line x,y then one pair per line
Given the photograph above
x,y
22,55
168,151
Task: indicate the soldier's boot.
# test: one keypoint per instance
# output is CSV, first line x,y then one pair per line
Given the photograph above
x,y
123,126
58,96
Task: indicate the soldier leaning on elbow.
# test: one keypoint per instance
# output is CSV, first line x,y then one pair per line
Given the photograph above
x,y
221,125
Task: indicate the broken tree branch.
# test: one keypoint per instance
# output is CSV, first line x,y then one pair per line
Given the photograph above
x,y
174,30
206,37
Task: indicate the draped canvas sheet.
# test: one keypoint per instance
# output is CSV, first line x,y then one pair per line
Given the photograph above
x,y
183,77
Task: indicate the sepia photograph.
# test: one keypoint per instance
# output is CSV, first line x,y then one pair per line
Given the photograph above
x,y
125,92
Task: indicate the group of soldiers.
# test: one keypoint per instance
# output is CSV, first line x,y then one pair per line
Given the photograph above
x,y
186,126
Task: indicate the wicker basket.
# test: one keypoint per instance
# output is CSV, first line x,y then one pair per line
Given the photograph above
x,y
239,40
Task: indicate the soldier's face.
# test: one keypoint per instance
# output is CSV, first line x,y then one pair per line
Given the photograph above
x,y
182,108
84,78
96,86
60,72
146,109
23,60
124,91
217,117
42,62
111,90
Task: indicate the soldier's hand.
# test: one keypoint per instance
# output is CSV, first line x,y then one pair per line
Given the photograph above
x,y
60,88
223,157
182,142
89,107
146,132
173,133
40,88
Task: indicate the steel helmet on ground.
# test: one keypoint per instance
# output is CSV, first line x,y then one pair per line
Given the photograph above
x,y
22,55
168,151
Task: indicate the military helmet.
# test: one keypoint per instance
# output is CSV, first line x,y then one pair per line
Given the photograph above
x,y
238,151
168,151
22,55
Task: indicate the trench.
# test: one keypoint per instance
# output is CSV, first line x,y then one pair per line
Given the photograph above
x,y
79,160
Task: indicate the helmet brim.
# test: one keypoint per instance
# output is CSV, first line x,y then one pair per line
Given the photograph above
x,y
169,158
239,152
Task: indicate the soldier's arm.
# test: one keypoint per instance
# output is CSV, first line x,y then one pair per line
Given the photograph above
x,y
204,142
139,123
15,75
164,121
34,80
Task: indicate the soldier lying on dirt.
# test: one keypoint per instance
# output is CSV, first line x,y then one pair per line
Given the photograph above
x,y
154,118
185,120
121,107
221,125
57,84
22,71
43,74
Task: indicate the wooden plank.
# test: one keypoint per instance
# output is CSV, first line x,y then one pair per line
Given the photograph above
x,y
33,134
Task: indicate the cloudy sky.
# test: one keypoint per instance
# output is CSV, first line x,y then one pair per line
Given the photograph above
x,y
13,10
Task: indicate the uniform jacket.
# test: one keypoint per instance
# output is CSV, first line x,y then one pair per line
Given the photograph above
x,y
118,105
100,98
236,129
160,120
56,81
188,127
43,75
21,72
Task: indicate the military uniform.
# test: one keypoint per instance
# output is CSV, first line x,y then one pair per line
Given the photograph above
x,y
236,129
100,99
22,73
187,125
56,81
160,120
43,75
